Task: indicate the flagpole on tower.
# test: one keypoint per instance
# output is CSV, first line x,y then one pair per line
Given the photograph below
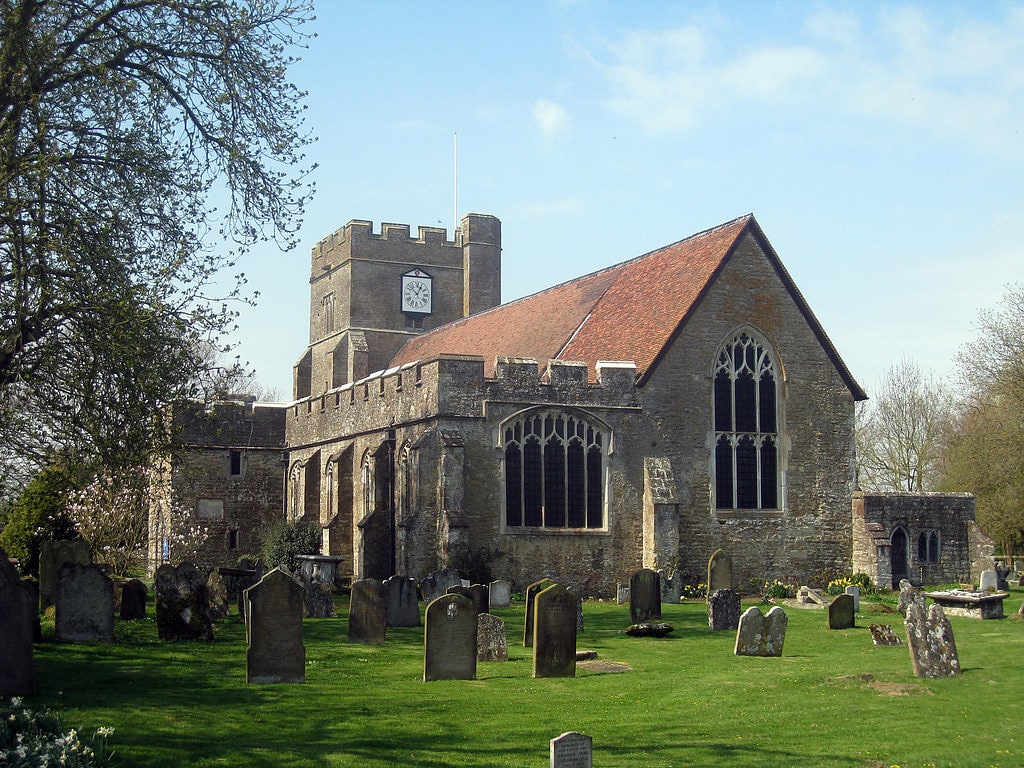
x,y
455,180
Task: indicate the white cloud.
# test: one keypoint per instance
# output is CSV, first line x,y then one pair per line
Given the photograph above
x,y
551,118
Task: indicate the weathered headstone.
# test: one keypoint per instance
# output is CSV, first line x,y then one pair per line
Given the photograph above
x,y
840,612
644,596
133,600
475,592
572,750
531,593
621,594
932,646
216,596
909,595
318,601
182,607
671,587
367,612
84,603
18,612
52,555
491,641
403,601
554,633
449,639
719,571
761,635
724,610
436,583
989,581
854,591
882,634
276,653
499,594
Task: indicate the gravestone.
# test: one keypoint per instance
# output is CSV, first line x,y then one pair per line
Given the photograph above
x,y
182,607
909,595
644,596
499,594
671,587
216,596
18,613
724,610
475,592
554,633
367,612
840,613
1002,574
621,594
579,611
930,639
719,571
318,600
52,555
531,594
84,603
989,581
882,634
572,750
810,596
491,641
403,602
246,578
276,653
854,591
133,600
449,639
761,635
436,583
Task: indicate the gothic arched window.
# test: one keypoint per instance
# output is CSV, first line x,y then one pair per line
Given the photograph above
x,y
746,426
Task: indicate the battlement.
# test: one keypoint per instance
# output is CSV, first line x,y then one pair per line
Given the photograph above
x,y
361,231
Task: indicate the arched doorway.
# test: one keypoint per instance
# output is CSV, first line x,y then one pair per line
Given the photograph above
x,y
899,557
378,525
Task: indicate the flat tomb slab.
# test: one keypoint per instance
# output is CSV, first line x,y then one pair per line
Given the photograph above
x,y
973,605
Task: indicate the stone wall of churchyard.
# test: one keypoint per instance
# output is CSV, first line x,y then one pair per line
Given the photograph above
x,y
809,534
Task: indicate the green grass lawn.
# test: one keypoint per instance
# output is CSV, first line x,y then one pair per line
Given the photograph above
x,y
686,701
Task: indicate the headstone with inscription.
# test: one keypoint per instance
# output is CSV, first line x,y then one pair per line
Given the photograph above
x,y
403,601
719,571
554,633
932,646
759,634
436,583
276,653
724,610
449,639
52,555
499,594
84,603
531,593
18,612
572,750
840,612
182,607
367,612
133,600
491,640
644,596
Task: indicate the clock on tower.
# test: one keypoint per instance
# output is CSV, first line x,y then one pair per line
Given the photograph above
x,y
417,292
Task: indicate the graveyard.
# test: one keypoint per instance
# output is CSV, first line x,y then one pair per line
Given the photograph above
x,y
832,698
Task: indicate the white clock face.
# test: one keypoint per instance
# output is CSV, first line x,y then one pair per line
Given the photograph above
x,y
416,295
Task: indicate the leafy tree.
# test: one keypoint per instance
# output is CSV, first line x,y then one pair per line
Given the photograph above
x,y
900,431
38,514
284,540
121,125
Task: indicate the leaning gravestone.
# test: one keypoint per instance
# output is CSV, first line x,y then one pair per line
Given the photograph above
x,y
499,594
182,607
367,612
724,610
403,601
52,555
840,613
216,596
84,605
932,646
909,595
531,594
133,600
491,641
436,583
882,634
554,633
18,612
449,639
761,635
644,596
275,606
719,571
572,750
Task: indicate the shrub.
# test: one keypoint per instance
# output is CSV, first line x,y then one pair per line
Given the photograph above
x,y
35,737
285,540
38,514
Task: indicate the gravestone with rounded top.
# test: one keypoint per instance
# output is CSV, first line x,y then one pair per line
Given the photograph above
x,y
841,613
531,594
854,591
554,633
644,596
18,612
133,600
84,604
276,653
403,601
719,571
930,639
759,634
449,639
572,750
367,612
499,594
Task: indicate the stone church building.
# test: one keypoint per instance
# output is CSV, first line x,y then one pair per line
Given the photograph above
x,y
645,414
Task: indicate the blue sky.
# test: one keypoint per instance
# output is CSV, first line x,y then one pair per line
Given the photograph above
x,y
879,145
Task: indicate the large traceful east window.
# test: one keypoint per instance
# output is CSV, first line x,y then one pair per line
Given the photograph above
x,y
554,472
746,426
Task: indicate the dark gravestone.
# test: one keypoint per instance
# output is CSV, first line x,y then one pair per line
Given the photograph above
x,y
572,750
216,596
182,608
724,610
436,583
882,634
476,592
760,635
367,612
554,633
932,646
84,603
499,594
491,641
52,555
449,639
403,602
133,600
18,613
531,593
644,596
840,613
719,571
274,606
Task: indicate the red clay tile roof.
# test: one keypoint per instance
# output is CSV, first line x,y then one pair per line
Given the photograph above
x,y
628,312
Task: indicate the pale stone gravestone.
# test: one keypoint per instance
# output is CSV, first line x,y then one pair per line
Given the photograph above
x,y
403,602
854,591
18,612
810,596
621,594
276,653
52,555
367,612
84,603
882,634
840,613
436,583
909,595
216,596
671,587
499,594
318,602
719,571
182,607
724,610
761,635
989,581
554,633
932,646
531,594
572,750
644,596
491,641
133,600
449,639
